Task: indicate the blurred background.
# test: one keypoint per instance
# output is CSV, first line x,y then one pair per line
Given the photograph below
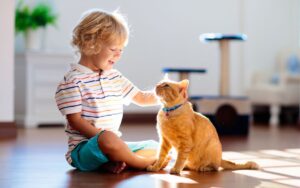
x,y
163,34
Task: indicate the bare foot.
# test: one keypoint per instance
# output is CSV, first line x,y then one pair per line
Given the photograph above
x,y
114,167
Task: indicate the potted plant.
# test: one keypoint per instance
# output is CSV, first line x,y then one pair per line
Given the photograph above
x,y
32,23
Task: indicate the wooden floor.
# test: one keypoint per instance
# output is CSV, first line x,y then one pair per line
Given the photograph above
x,y
36,159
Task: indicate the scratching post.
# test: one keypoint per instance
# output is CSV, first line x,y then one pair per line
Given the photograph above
x,y
224,78
223,40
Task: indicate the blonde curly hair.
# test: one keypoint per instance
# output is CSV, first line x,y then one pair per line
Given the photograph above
x,y
98,28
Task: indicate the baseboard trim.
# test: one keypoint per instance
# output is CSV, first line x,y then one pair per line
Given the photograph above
x,y
138,118
8,130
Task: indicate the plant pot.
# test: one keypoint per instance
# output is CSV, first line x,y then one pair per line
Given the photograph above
x,y
34,39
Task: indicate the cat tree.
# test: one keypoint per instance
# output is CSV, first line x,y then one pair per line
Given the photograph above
x,y
230,115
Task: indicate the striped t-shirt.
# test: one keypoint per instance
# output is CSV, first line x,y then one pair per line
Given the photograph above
x,y
98,96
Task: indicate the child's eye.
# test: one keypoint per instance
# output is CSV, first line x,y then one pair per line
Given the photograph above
x,y
115,50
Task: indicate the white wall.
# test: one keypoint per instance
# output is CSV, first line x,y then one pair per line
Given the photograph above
x,y
272,25
7,60
165,34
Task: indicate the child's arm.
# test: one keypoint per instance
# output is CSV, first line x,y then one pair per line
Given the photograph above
x,y
82,125
145,98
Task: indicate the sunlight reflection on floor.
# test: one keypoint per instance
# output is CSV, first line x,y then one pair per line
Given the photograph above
x,y
267,184
290,171
260,174
292,182
263,163
230,155
173,178
279,153
281,166
293,150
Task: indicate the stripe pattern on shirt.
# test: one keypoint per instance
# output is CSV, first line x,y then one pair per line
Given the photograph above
x,y
98,96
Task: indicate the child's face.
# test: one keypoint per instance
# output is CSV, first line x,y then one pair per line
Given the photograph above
x,y
108,56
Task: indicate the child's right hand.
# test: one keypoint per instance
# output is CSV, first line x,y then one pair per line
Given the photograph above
x,y
154,167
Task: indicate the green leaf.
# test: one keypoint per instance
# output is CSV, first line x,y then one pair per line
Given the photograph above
x,y
40,15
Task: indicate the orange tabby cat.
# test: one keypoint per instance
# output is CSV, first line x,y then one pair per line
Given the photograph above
x,y
190,133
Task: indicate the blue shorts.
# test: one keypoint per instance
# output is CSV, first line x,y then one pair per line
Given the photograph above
x,y
87,156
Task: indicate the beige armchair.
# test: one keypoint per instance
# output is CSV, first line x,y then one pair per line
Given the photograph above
x,y
280,88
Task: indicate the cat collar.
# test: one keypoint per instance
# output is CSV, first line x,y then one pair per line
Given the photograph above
x,y
168,110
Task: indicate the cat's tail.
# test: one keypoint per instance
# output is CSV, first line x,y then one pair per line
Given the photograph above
x,y
228,165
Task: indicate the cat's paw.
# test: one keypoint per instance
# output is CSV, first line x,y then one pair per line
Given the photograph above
x,y
175,170
152,168
253,165
166,162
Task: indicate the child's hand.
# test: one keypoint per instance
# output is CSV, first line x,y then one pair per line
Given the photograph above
x,y
156,166
91,122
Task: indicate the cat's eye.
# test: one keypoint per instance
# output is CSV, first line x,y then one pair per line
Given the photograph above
x,y
166,85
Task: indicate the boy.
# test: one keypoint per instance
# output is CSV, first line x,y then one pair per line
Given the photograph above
x,y
92,94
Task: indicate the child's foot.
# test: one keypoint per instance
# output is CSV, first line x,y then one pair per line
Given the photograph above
x,y
114,167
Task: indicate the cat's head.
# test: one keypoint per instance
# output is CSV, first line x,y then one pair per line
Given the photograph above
x,y
171,92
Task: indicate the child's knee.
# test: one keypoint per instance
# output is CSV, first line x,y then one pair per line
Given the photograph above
x,y
108,142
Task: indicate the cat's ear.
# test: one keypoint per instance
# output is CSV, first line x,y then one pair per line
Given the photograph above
x,y
183,88
184,84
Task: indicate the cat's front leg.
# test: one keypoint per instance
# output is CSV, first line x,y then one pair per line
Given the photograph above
x,y
162,159
182,155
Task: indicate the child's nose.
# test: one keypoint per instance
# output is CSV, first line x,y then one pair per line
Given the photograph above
x,y
118,53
